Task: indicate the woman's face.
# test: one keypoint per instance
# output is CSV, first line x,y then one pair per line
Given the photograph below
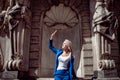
x,y
65,45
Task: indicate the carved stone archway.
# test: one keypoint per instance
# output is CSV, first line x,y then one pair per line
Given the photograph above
x,y
69,28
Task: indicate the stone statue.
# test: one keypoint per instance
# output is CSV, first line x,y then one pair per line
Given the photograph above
x,y
107,20
105,24
17,20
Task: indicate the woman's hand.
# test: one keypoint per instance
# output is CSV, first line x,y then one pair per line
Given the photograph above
x,y
52,35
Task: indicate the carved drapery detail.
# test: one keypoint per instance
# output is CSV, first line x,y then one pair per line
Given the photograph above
x,y
105,24
106,19
16,20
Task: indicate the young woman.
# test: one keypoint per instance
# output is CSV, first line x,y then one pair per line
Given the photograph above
x,y
64,68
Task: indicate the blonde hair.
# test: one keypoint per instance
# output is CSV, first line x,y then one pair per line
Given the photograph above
x,y
68,43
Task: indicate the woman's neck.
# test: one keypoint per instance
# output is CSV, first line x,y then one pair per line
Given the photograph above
x,y
66,51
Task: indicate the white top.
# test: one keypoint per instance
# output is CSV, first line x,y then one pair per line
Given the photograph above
x,y
63,62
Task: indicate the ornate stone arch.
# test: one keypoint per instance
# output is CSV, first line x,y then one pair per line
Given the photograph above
x,y
73,32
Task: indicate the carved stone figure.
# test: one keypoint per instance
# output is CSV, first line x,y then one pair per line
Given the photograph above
x,y
106,19
17,19
105,24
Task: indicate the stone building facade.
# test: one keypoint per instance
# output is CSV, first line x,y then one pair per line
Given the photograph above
x,y
26,26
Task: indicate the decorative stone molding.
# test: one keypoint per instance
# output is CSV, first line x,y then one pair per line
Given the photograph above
x,y
14,65
106,62
61,17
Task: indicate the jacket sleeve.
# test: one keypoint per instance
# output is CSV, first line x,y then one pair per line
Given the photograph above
x,y
52,47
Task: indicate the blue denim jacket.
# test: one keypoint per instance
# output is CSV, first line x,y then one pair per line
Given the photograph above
x,y
58,52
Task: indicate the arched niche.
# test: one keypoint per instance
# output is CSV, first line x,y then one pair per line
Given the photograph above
x,y
71,32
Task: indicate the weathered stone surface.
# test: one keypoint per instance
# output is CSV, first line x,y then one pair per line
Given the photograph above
x,y
107,79
106,75
9,75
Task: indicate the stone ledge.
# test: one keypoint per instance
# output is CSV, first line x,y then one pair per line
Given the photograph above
x,y
45,79
107,79
8,75
106,74
53,79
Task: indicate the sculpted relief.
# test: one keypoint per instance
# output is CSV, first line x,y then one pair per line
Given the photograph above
x,y
106,18
14,22
105,25
60,17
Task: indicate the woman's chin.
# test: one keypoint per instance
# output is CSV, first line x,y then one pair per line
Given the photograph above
x,y
63,48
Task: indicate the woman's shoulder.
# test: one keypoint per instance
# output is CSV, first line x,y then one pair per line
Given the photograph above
x,y
60,50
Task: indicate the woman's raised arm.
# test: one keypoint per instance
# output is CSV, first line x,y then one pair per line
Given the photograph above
x,y
52,35
51,42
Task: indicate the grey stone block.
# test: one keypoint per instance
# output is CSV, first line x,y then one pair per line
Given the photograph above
x,y
107,79
9,75
105,73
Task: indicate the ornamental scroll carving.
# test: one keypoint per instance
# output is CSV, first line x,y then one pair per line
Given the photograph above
x,y
106,62
15,23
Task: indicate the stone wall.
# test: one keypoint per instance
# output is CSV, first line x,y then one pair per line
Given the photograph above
x,y
85,68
